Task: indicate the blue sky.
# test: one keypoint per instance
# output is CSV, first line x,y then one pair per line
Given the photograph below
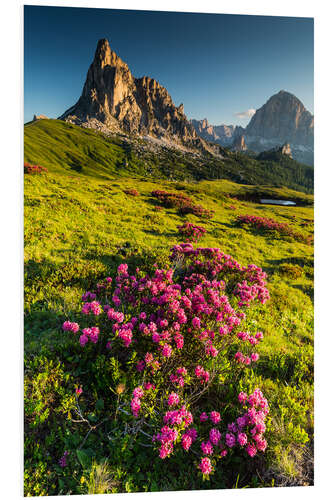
x,y
219,66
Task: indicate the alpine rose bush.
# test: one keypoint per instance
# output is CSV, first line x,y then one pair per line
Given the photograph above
x,y
271,225
191,232
34,169
177,330
184,204
132,192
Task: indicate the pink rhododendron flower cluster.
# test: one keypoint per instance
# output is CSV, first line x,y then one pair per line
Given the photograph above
x,y
34,169
92,307
191,232
206,466
89,334
264,223
132,192
183,202
70,327
171,328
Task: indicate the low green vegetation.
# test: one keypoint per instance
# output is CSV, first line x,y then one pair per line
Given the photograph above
x,y
81,222
61,146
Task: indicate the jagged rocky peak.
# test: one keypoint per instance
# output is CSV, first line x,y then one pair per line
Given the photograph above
x,y
286,150
39,117
239,143
104,56
112,99
283,117
221,134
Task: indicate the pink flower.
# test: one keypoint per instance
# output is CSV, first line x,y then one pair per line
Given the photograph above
x,y
173,399
108,345
241,422
83,340
140,365
242,397
186,442
199,371
148,385
205,466
215,417
66,326
78,391
94,332
214,436
254,356
135,406
203,417
230,440
242,438
166,449
192,433
196,322
182,371
251,450
122,269
63,461
207,448
261,444
138,392
232,427
148,358
167,350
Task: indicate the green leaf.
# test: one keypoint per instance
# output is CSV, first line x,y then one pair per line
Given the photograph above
x,y
100,404
84,458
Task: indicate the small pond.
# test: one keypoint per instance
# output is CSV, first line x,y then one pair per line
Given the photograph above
x,y
278,202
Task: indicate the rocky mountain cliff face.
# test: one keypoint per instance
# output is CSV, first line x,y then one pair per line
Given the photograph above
x,y
282,119
239,143
113,99
222,134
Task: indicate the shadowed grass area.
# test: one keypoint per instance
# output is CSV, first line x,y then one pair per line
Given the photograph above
x,y
63,147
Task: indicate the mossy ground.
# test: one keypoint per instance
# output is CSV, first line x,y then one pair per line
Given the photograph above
x,y
78,228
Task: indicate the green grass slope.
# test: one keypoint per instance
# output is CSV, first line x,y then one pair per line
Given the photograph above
x,y
79,225
63,147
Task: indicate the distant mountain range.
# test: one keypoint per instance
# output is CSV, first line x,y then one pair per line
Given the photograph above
x,y
113,100
282,119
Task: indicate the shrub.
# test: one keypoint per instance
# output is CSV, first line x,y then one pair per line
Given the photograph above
x,y
132,192
291,270
191,231
266,224
176,331
34,169
184,204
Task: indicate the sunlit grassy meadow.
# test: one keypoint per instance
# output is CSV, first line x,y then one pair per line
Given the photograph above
x,y
79,226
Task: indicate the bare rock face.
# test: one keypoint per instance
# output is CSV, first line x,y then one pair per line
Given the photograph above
x,y
286,150
239,143
117,100
221,134
283,118
39,117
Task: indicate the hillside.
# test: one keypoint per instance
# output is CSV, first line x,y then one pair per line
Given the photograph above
x,y
80,224
62,146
